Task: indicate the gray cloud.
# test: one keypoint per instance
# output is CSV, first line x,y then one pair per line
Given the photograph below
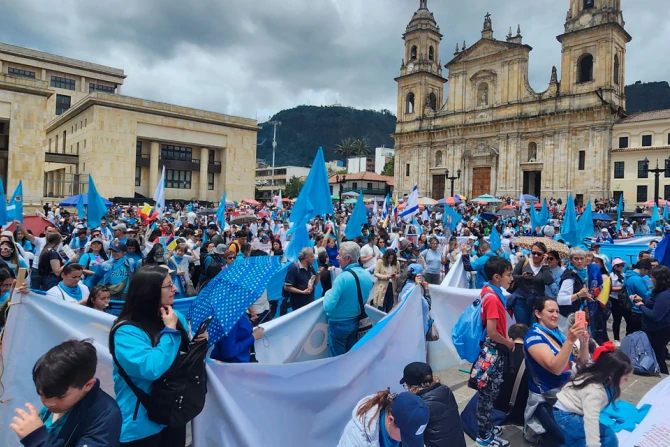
x,y
256,58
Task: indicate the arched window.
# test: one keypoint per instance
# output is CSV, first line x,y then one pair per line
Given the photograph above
x,y
588,4
585,69
409,103
432,102
616,69
483,94
438,158
532,151
412,54
431,53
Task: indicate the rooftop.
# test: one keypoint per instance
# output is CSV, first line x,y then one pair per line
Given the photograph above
x,y
646,148
61,60
646,116
370,176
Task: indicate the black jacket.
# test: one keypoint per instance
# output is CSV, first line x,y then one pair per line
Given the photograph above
x,y
94,422
444,426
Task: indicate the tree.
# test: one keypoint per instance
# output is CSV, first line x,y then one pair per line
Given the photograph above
x,y
362,147
389,168
346,148
293,187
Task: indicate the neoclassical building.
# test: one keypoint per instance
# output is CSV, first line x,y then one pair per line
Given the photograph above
x,y
491,125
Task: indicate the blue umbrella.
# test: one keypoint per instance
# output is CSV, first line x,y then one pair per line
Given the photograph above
x,y
601,216
229,295
487,215
74,200
528,198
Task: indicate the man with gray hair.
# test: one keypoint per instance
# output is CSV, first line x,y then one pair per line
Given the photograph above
x,y
300,280
342,304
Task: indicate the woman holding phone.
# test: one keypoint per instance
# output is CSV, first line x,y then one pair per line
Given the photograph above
x,y
384,294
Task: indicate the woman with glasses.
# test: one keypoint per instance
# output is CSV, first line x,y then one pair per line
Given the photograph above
x,y
573,293
554,263
146,350
9,254
531,277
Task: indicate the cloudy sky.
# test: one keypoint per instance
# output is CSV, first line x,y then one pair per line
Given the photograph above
x,y
256,57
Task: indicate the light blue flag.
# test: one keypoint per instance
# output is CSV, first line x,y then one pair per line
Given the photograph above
x,y
569,230
15,206
315,193
96,204
544,214
585,225
159,195
358,217
653,222
450,218
221,212
619,210
534,218
419,230
189,208
666,213
3,204
81,211
299,240
494,240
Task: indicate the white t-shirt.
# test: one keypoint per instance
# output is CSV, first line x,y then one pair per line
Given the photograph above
x,y
262,304
366,251
56,293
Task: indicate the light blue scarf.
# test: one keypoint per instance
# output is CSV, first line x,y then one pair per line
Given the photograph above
x,y
74,292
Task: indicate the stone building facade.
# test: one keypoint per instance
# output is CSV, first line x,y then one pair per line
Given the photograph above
x,y
62,119
505,137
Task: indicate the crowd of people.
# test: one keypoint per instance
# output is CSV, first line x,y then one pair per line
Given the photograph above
x,y
573,370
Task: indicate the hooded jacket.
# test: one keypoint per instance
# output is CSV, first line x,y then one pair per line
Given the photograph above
x,y
636,285
444,426
361,432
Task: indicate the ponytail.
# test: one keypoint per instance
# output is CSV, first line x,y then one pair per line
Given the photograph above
x,y
382,400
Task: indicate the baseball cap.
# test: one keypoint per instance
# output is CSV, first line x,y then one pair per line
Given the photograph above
x,y
411,416
416,373
212,226
97,239
605,230
131,230
618,261
666,228
220,249
594,246
121,227
416,269
118,246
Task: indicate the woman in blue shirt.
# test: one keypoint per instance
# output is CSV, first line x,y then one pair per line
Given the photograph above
x,y
23,242
146,353
91,261
9,254
133,251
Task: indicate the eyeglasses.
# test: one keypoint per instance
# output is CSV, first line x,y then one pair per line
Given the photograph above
x,y
169,286
230,258
550,258
537,253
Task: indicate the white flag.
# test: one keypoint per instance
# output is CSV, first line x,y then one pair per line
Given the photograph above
x,y
374,213
159,195
279,204
411,206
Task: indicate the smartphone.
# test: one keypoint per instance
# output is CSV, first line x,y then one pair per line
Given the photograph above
x,y
580,317
203,326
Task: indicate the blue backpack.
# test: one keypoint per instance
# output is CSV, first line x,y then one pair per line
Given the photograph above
x,y
469,331
637,347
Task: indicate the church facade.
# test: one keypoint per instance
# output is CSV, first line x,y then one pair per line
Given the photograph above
x,y
492,128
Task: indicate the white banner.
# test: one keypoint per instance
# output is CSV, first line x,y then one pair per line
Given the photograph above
x,y
305,403
654,430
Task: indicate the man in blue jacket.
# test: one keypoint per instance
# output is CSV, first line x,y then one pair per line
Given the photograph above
x,y
484,252
76,411
116,272
341,302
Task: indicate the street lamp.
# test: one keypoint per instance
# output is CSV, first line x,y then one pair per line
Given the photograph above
x,y
340,181
274,146
446,176
657,172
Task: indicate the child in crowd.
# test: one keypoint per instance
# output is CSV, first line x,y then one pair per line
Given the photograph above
x,y
577,410
497,346
99,298
516,332
76,411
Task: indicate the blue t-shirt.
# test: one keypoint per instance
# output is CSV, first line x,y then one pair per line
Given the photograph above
x,y
547,380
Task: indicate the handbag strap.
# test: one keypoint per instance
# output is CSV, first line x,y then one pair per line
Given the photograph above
x,y
142,396
363,314
530,367
517,383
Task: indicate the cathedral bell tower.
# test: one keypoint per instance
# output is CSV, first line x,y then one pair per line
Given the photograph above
x,y
420,84
594,50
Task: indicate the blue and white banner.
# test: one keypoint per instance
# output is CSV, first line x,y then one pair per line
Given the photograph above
x,y
294,396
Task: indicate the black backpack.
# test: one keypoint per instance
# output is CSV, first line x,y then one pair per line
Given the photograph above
x,y
178,396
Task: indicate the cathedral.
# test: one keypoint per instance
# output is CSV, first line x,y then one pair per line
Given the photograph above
x,y
490,130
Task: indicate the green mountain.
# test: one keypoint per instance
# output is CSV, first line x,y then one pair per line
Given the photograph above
x,y
647,97
305,128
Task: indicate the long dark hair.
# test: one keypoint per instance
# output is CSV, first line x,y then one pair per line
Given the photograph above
x,y
662,276
607,370
387,255
143,301
102,253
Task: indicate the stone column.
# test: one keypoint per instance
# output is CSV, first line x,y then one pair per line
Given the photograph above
x,y
83,84
1,69
118,89
204,159
154,170
44,75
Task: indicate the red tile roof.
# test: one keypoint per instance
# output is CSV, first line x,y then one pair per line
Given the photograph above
x,y
646,116
370,176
